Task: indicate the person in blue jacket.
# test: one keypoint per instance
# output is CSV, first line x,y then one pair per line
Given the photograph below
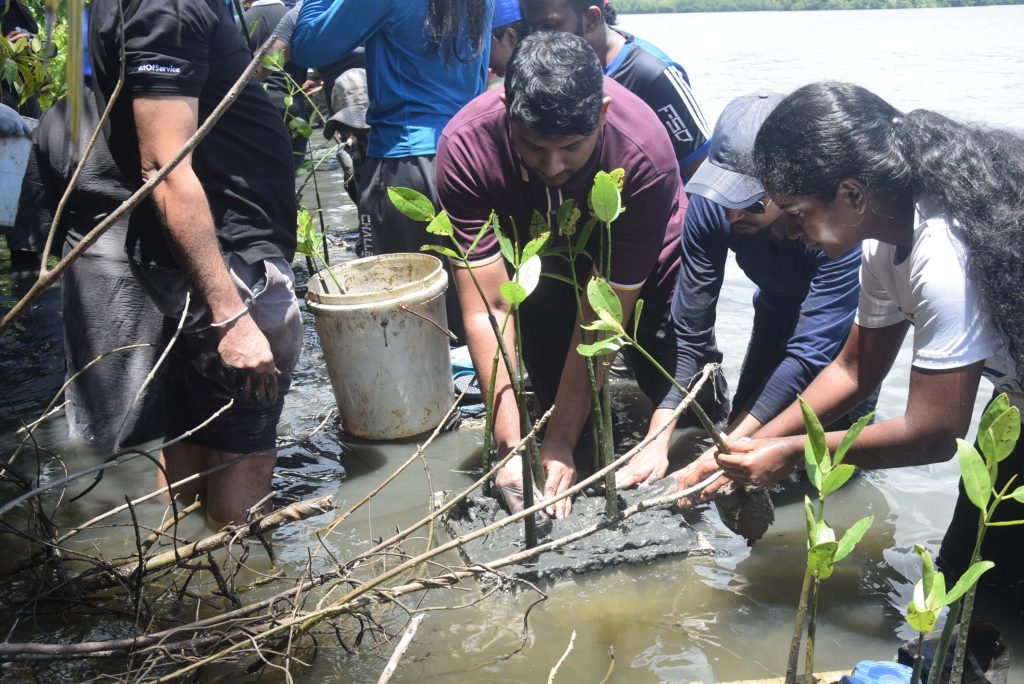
x,y
425,59
804,304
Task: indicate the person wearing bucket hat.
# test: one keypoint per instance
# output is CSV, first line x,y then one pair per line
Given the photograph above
x,y
348,126
507,29
641,67
804,303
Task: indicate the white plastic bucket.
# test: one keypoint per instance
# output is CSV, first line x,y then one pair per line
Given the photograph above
x,y
14,152
383,342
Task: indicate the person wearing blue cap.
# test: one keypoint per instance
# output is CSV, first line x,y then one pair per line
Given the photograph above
x,y
804,303
507,29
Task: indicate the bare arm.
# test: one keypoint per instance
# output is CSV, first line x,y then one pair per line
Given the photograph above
x,y
164,124
483,346
938,411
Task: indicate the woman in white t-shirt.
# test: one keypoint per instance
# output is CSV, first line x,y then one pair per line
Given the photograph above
x,y
939,206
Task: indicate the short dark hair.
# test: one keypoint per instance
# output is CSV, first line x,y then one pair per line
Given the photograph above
x,y
608,11
554,84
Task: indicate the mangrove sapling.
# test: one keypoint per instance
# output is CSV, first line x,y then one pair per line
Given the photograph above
x,y
605,200
827,473
308,244
417,207
998,432
930,597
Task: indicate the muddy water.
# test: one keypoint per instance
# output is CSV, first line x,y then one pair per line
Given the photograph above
x,y
718,618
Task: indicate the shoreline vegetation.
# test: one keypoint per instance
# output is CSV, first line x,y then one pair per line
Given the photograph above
x,y
681,6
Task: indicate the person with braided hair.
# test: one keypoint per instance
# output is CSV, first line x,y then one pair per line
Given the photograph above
x,y
938,206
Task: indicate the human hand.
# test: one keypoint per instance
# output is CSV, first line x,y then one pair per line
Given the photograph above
x,y
559,475
760,462
17,34
248,362
644,468
701,469
509,481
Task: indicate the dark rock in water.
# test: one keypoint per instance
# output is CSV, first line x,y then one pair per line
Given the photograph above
x,y
645,537
747,511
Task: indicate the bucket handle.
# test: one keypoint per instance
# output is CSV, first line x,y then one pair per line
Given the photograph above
x,y
434,323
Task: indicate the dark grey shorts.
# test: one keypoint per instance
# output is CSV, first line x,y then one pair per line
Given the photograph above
x,y
198,384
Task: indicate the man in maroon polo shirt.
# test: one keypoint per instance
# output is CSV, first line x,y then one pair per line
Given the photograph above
x,y
532,147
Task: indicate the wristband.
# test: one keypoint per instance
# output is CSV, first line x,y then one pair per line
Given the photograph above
x,y
231,319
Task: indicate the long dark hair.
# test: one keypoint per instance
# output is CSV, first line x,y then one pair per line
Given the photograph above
x,y
826,132
456,28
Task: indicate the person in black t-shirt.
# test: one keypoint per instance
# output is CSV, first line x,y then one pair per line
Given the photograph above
x,y
221,228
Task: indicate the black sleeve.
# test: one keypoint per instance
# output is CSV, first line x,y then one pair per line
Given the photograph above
x,y
671,98
705,249
167,47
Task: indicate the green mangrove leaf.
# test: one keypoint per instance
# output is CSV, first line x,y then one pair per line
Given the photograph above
x,y
411,203
441,225
601,324
601,347
505,245
307,240
820,559
919,618
976,477
814,473
492,219
822,533
637,310
815,435
1000,405
568,216
853,537
538,224
584,236
998,441
967,580
839,476
927,578
1017,494
605,198
619,176
604,301
809,519
528,274
850,437
274,61
514,293
288,100
560,278
300,126
450,253
535,245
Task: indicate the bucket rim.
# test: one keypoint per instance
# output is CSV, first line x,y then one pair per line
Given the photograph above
x,y
316,283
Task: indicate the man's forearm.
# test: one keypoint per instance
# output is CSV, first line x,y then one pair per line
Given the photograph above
x,y
184,211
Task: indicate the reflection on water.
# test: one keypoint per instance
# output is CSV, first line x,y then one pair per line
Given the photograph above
x,y
720,618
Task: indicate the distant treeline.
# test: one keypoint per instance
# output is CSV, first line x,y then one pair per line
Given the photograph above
x,y
643,6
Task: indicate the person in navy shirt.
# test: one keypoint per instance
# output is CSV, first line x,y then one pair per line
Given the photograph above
x,y
804,304
642,68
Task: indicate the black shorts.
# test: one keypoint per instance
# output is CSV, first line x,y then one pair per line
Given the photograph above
x,y
198,384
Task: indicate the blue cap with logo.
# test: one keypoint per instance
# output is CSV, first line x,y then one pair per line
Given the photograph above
x,y
505,13
720,178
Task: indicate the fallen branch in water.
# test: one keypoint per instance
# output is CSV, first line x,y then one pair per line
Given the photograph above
x,y
291,513
400,650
